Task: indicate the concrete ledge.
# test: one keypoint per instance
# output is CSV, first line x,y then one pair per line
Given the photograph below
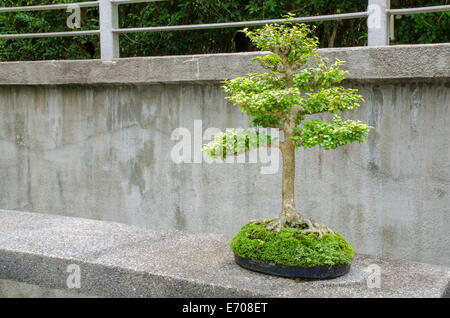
x,y
118,260
402,62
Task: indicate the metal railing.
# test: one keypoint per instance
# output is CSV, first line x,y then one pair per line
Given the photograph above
x,y
380,22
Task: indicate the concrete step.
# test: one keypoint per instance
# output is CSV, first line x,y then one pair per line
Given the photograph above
x,y
118,260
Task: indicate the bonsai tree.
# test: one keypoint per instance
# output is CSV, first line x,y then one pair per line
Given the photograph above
x,y
298,84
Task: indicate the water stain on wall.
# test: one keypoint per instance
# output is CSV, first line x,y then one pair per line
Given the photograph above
x,y
139,165
180,219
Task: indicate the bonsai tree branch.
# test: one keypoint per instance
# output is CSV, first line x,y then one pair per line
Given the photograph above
x,y
274,145
234,142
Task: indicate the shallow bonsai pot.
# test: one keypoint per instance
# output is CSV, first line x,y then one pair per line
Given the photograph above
x,y
316,272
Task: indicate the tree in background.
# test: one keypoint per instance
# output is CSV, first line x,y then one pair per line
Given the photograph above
x,y
421,28
46,21
299,84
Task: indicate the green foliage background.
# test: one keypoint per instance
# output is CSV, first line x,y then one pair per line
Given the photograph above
x,y
421,28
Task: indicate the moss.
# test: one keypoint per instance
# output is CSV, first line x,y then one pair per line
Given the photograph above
x,y
291,247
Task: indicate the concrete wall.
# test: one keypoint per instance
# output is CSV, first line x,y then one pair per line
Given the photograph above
x,y
102,151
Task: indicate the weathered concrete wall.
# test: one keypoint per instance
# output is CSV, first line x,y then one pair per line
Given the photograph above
x,y
103,152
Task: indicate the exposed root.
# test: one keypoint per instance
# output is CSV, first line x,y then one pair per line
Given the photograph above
x,y
316,228
293,219
261,222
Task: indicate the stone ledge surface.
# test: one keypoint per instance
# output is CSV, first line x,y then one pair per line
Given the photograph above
x,y
398,63
118,260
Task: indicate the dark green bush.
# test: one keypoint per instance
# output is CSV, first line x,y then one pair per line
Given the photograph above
x,y
422,28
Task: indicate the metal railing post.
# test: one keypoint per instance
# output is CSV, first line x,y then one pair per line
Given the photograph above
x,y
378,22
109,20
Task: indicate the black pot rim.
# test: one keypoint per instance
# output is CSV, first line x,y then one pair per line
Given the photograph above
x,y
315,272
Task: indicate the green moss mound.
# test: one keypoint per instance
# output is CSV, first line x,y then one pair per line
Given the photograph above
x,y
291,247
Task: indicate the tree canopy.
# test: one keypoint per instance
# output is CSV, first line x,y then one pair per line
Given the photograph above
x,y
300,83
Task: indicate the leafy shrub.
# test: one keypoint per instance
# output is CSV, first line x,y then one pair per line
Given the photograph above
x,y
421,28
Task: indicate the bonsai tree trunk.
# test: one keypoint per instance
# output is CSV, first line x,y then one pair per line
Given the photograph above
x,y
289,216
